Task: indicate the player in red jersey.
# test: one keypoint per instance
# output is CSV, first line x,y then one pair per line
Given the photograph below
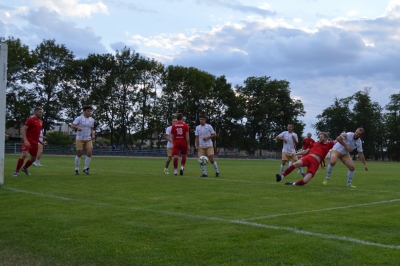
x,y
30,137
315,154
180,142
307,142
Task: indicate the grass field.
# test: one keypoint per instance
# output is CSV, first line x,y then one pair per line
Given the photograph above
x,y
127,212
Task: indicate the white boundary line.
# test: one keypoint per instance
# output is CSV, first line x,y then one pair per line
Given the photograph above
x,y
321,210
242,222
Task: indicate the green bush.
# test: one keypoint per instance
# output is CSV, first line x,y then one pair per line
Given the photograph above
x,y
58,138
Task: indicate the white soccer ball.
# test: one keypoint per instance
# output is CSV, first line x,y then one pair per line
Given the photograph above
x,y
203,160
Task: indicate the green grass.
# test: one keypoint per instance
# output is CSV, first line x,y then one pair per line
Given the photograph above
x,y
127,212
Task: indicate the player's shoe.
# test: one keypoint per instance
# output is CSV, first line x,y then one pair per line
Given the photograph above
x,y
34,164
350,185
325,181
25,171
86,171
76,172
175,172
181,171
203,175
278,177
302,174
39,164
217,174
15,174
290,183
166,172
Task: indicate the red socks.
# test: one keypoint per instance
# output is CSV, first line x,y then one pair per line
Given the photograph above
x,y
19,164
175,163
183,161
288,170
27,164
300,183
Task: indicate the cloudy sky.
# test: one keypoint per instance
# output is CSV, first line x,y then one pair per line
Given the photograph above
x,y
325,49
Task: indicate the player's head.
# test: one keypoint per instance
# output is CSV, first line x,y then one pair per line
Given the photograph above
x,y
309,135
179,116
38,112
359,133
203,119
87,110
323,136
290,127
174,120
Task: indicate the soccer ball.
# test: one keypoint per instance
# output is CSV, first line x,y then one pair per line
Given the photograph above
x,y
203,160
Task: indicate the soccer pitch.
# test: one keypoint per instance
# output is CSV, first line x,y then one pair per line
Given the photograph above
x,y
127,212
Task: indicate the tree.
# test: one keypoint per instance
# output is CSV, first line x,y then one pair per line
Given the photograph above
x,y
48,76
392,127
268,109
335,119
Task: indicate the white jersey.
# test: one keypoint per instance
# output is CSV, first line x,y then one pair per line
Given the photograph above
x,y
349,140
288,146
86,124
202,132
168,132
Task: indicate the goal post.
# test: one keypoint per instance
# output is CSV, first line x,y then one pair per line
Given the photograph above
x,y
3,85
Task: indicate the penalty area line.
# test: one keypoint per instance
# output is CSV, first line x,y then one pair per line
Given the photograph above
x,y
201,217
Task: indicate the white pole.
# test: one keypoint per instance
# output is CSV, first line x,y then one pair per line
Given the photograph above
x,y
3,84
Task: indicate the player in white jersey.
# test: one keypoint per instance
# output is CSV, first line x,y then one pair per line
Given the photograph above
x,y
169,145
204,134
290,141
352,141
84,124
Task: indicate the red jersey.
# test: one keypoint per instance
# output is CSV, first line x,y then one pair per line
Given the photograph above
x,y
34,127
321,149
307,142
179,130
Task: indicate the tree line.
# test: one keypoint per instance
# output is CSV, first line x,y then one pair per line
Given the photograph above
x,y
135,98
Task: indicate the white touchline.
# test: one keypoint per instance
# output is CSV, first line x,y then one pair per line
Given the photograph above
x,y
321,210
242,222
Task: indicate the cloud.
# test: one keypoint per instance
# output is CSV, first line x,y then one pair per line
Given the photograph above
x,y
131,6
237,6
46,24
121,45
72,8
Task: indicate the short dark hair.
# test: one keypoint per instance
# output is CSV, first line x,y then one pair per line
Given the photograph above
x,y
87,107
37,109
203,116
179,116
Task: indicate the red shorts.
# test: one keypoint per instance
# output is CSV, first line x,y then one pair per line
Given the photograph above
x,y
33,148
311,163
180,148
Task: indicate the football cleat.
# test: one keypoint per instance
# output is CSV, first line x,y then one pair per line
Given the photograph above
x,y
25,171
217,174
86,171
76,172
15,174
166,172
350,185
181,171
278,177
325,181
302,174
203,175
290,183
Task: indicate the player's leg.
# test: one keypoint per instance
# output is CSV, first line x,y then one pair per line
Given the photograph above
x,y
295,159
202,152
79,149
175,153
33,150
169,154
210,155
334,157
297,164
350,174
21,160
184,151
39,154
284,160
312,165
89,151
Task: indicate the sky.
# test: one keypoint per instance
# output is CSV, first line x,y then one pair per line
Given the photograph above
x,y
325,49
